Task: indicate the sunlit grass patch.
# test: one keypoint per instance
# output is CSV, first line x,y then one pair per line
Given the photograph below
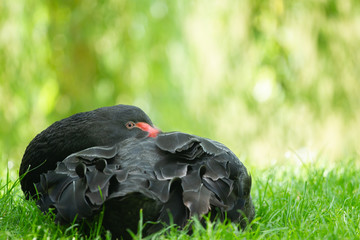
x,y
301,202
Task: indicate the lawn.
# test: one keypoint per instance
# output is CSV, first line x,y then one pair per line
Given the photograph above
x,y
308,201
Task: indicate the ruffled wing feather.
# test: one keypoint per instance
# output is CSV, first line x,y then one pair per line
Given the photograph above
x,y
186,174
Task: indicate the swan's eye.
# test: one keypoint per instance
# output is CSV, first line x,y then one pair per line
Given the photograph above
x,y
130,125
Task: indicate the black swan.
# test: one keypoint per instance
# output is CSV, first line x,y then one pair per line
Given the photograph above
x,y
113,157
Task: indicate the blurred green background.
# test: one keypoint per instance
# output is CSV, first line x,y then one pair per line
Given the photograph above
x,y
276,81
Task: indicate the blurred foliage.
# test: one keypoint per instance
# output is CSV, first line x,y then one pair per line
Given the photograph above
x,y
267,78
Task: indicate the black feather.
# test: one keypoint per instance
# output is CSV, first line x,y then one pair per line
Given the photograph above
x,y
171,177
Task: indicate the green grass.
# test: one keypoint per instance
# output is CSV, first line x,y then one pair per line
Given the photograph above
x,y
304,202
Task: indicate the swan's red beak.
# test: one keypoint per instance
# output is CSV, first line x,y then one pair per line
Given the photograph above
x,y
153,132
